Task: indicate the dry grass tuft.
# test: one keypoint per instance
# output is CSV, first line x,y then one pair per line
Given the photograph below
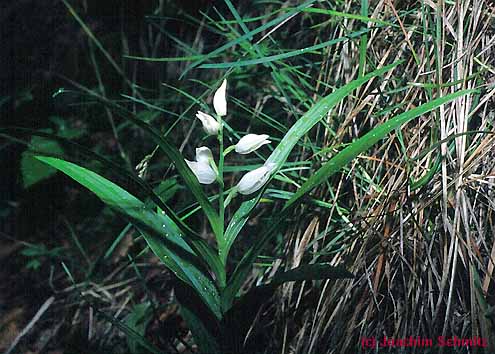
x,y
423,257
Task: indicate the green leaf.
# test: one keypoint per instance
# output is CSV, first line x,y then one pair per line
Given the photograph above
x,y
281,56
236,224
130,333
365,142
32,170
316,113
317,271
283,149
202,337
204,327
160,232
33,264
187,175
199,245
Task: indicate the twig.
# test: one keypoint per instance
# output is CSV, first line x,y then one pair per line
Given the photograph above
x,y
31,323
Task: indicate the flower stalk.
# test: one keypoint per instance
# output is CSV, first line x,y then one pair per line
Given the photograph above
x,y
220,105
207,171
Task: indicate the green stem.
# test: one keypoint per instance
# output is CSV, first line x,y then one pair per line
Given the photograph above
x,y
228,150
221,203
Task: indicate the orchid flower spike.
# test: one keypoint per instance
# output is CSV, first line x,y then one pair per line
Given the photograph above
x,y
202,168
251,142
210,124
255,179
219,99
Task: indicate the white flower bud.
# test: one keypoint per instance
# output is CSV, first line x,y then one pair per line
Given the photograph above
x,y
255,179
204,154
203,171
251,142
210,124
202,167
219,99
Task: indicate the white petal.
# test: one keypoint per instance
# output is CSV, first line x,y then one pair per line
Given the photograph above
x,y
251,142
203,172
210,124
254,180
203,154
219,99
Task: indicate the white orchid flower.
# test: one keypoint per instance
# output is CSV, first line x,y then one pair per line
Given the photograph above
x,y
255,179
204,154
203,172
210,124
219,99
251,142
202,167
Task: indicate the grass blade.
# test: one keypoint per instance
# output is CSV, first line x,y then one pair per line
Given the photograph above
x,y
365,142
249,35
363,43
282,56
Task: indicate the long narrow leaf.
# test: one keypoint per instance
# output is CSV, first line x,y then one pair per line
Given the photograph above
x,y
199,245
236,224
316,113
322,175
283,149
368,140
172,153
169,246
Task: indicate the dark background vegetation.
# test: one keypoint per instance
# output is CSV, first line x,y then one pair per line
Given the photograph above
x,y
42,45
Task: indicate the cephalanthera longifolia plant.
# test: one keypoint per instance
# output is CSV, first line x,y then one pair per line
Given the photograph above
x,y
212,308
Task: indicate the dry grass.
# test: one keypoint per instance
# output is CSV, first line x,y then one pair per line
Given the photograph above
x,y
423,258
